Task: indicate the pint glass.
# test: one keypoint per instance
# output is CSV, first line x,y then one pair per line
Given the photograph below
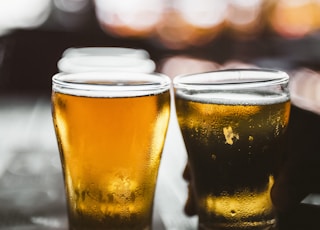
x,y
91,59
233,123
110,129
78,64
106,52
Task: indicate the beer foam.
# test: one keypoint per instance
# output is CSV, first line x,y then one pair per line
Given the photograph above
x,y
232,98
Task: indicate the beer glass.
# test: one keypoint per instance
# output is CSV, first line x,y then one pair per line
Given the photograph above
x,y
106,51
233,123
110,129
82,63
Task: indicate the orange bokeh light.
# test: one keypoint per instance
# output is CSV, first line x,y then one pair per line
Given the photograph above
x,y
177,33
295,18
132,18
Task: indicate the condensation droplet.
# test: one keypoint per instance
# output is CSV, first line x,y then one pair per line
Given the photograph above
x,y
233,212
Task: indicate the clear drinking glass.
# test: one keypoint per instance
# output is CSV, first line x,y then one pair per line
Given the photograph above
x,y
106,51
233,123
111,129
77,64
90,59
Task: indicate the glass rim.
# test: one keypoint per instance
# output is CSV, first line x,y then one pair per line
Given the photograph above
x,y
228,79
110,83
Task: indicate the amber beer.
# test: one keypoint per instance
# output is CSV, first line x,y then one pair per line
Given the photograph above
x,y
110,147
233,138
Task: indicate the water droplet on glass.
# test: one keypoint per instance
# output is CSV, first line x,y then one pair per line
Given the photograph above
x,y
233,213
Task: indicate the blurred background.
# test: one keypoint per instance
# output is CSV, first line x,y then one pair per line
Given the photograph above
x,y
281,34
181,36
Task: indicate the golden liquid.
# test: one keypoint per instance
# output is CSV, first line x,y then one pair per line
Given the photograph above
x,y
110,151
232,149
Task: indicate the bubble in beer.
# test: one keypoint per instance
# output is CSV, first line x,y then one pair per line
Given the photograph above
x,y
233,212
213,156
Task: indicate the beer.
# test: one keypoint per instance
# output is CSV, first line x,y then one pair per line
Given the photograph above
x,y
110,149
232,140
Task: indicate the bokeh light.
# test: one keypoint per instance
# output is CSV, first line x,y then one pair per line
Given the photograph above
x,y
202,13
295,18
190,23
183,64
173,24
178,24
245,17
305,89
186,64
23,14
136,18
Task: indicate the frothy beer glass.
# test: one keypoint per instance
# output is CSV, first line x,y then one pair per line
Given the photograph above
x,y
110,129
233,123
92,59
